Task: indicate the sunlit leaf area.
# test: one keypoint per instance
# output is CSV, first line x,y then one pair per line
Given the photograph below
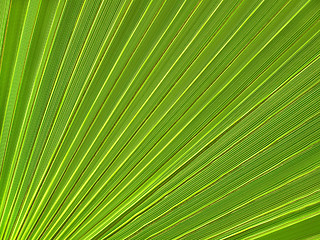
x,y
159,119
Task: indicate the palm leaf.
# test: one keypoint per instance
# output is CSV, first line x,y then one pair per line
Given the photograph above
x,y
139,119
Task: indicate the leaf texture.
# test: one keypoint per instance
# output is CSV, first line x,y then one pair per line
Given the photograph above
x,y
160,119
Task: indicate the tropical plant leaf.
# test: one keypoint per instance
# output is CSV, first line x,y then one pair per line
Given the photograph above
x,y
162,119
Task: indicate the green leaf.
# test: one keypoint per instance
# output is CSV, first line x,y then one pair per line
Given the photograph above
x,y
140,119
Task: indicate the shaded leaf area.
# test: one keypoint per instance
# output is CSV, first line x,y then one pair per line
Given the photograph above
x,y
160,119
